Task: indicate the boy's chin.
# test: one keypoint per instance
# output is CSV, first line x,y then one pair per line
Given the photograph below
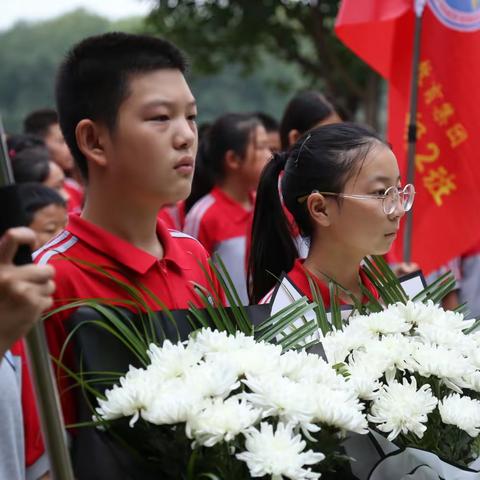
x,y
181,194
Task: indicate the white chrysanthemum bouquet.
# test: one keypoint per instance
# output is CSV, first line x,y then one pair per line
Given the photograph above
x,y
418,373
247,409
415,366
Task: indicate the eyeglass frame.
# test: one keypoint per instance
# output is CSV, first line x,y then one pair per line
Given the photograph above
x,y
370,196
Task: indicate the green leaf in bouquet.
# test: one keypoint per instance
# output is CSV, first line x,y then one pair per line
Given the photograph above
x,y
207,296
297,338
320,312
278,323
79,379
216,313
166,311
384,279
474,327
233,298
437,290
462,309
337,321
373,304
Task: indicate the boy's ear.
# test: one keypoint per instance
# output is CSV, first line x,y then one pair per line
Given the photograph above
x,y
293,136
318,208
90,142
232,160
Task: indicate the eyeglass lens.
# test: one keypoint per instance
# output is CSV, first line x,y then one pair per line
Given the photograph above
x,y
406,196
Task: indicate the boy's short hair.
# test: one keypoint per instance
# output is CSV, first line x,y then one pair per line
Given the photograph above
x,y
17,142
93,80
39,121
35,196
31,165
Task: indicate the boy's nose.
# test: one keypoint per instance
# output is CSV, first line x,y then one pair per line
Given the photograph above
x,y
185,135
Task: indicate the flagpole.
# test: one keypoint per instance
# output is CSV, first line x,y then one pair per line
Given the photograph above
x,y
412,125
39,362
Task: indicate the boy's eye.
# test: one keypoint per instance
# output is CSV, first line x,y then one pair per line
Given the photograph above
x,y
192,117
379,192
160,118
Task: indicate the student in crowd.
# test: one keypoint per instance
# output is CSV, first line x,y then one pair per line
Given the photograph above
x,y
129,119
25,292
341,184
306,110
45,211
231,159
34,165
45,125
272,128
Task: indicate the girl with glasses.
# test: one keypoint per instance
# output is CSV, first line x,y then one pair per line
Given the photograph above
x,y
341,183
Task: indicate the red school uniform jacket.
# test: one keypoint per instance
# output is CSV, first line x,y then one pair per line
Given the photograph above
x,y
170,278
298,276
222,225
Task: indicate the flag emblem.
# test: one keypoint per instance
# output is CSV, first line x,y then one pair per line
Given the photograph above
x,y
462,15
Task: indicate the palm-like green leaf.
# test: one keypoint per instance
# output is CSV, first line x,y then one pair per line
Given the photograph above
x,y
384,280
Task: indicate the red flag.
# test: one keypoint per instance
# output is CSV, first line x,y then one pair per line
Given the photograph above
x,y
446,216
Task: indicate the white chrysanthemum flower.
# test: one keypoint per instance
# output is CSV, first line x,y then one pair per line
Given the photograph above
x,y
339,344
221,421
449,365
131,397
280,396
301,366
439,333
208,341
401,408
171,360
336,408
212,379
416,312
364,375
381,323
258,358
473,381
173,401
395,350
463,412
279,454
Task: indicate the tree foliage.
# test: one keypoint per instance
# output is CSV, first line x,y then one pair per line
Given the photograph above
x,y
220,32
29,57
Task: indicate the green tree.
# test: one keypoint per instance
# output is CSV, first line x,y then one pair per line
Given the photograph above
x,y
30,54
217,33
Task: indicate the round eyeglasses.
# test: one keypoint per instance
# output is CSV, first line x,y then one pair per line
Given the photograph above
x,y
390,199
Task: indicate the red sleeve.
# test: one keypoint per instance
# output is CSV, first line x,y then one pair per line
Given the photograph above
x,y
34,447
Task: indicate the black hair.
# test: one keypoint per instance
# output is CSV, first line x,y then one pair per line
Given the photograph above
x,y
231,131
17,142
39,121
93,80
324,159
31,165
304,111
270,123
35,196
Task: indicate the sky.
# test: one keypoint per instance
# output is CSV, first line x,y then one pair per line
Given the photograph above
x,y
33,10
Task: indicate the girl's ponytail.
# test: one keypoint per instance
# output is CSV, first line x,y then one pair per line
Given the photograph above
x,y
273,250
